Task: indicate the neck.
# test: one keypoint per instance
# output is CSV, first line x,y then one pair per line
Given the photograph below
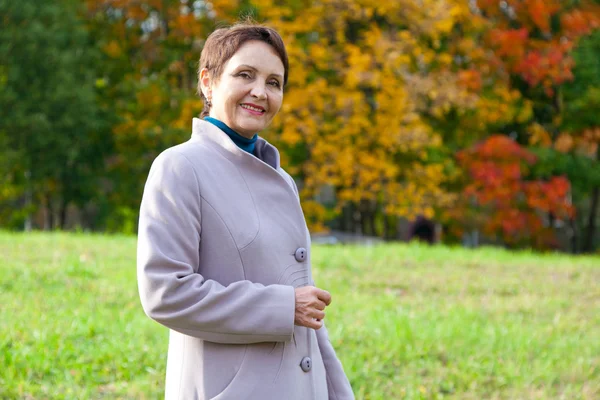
x,y
244,143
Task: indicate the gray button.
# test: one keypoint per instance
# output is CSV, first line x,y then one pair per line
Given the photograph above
x,y
300,254
306,364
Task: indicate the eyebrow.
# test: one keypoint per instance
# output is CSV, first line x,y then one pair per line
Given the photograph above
x,y
255,69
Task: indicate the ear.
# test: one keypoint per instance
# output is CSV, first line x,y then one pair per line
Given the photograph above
x,y
205,83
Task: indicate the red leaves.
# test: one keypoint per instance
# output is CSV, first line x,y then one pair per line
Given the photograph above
x,y
509,43
548,67
580,22
510,207
537,62
550,196
526,44
540,12
498,148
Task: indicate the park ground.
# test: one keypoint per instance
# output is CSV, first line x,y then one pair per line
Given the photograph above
x,y
408,321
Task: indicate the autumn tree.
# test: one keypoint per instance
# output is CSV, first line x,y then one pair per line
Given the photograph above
x,y
502,200
352,115
576,152
517,60
363,76
380,98
151,49
534,46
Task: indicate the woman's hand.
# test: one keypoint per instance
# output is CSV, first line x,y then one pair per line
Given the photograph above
x,y
310,303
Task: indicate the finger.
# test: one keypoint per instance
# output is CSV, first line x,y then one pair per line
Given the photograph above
x,y
319,305
311,322
314,324
324,296
318,314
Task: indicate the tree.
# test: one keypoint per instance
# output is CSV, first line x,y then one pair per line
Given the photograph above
x,y
528,56
500,200
363,76
152,50
381,95
49,116
581,133
351,118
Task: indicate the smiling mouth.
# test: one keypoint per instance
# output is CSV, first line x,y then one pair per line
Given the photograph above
x,y
253,108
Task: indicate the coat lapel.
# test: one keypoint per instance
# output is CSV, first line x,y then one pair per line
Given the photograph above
x,y
267,158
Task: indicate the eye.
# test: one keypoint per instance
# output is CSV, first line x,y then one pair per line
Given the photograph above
x,y
274,83
245,75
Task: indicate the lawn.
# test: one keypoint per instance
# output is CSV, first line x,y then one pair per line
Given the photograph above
x,y
408,321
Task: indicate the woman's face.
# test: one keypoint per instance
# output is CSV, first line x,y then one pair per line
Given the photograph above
x,y
249,92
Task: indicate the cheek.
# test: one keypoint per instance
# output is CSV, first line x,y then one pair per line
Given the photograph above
x,y
231,103
276,102
231,95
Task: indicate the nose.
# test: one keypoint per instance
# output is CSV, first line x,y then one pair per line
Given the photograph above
x,y
258,90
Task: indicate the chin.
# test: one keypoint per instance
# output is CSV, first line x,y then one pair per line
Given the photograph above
x,y
252,128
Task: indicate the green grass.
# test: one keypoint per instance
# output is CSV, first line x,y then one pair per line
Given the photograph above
x,y
408,321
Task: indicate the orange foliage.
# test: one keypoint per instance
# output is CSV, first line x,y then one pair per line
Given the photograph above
x,y
367,80
509,43
526,44
550,67
357,94
514,208
580,22
540,12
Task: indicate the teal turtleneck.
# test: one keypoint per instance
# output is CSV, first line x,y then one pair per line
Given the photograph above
x,y
241,141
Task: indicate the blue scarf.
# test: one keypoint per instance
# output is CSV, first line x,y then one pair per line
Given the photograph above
x,y
241,141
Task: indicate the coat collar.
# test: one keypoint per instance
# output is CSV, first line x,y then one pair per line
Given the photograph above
x,y
207,132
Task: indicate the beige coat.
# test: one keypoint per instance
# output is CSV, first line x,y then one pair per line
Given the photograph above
x,y
222,244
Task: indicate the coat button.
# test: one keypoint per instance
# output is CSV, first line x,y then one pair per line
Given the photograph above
x,y
300,254
306,364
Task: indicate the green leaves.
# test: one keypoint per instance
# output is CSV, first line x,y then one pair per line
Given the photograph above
x,y
581,98
581,170
381,96
49,111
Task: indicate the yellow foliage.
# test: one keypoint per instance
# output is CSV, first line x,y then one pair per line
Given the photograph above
x,y
539,136
366,79
190,109
356,102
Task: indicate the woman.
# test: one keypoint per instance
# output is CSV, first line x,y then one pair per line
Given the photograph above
x,y
223,247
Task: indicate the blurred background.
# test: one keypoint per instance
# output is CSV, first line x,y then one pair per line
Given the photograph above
x,y
466,123
460,121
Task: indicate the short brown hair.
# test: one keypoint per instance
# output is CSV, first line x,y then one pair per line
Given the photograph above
x,y
222,44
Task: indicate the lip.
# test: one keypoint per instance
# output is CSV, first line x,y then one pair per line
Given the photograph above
x,y
252,111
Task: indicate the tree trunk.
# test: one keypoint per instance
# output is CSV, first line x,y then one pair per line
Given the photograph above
x,y
386,225
588,244
574,235
362,223
393,223
48,214
356,219
398,229
365,216
62,215
372,216
346,224
28,200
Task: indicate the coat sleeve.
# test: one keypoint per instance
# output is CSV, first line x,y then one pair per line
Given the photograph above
x,y
173,292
